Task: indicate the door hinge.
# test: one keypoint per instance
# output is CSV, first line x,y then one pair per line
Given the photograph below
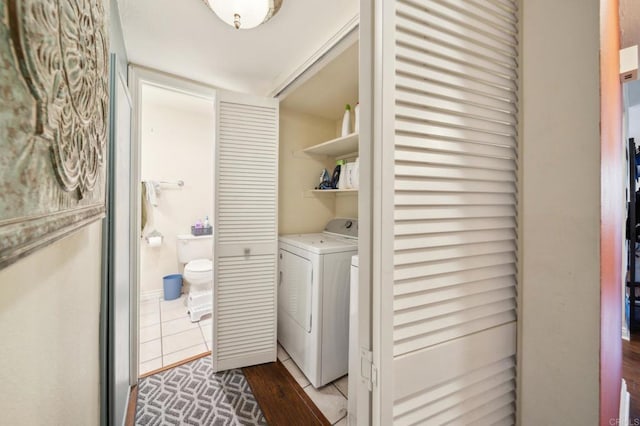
x,y
368,370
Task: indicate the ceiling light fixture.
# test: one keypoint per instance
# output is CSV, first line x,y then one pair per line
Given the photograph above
x,y
244,14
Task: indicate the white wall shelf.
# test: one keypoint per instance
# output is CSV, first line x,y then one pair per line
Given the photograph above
x,y
339,147
343,147
333,192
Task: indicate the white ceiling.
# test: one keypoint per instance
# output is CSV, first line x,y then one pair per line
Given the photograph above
x,y
326,93
165,98
185,38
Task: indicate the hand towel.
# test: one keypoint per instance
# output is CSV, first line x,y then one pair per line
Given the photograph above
x,y
143,204
152,194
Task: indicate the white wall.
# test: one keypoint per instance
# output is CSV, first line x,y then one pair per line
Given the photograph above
x,y
177,144
559,311
633,118
49,319
299,213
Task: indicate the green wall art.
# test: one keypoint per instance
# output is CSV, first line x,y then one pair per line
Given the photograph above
x,y
54,105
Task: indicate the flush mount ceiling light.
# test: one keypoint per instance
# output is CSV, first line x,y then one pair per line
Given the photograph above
x,y
244,14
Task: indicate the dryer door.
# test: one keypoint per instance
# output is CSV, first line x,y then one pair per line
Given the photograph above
x,y
294,289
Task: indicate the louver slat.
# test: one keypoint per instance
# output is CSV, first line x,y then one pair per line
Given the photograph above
x,y
455,224
247,150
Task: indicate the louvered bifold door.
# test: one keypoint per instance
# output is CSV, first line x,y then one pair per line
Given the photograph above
x,y
245,231
450,113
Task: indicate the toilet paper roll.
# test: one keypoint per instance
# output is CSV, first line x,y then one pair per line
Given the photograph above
x,y
154,241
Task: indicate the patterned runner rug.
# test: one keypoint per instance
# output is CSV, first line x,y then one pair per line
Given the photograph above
x,y
191,394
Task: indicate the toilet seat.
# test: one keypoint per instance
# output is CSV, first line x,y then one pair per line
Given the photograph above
x,y
199,271
199,265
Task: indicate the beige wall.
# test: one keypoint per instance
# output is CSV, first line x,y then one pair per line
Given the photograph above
x,y
177,144
559,315
300,213
49,324
347,205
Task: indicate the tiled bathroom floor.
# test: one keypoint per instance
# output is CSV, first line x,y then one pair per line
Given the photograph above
x,y
167,335
330,399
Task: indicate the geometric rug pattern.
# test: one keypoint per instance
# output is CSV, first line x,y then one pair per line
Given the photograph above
x,y
192,394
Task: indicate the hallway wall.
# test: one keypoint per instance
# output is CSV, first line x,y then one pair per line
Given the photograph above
x,y
49,317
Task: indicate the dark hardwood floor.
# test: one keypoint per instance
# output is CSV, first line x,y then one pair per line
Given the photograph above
x,y
631,374
282,400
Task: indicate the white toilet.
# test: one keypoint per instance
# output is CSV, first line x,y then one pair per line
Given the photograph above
x,y
195,253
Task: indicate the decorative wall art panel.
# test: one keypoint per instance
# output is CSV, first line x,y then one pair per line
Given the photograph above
x,y
54,107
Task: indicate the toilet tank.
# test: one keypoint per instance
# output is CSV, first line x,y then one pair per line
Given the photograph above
x,y
191,247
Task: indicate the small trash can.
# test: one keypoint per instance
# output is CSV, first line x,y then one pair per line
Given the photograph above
x,y
172,286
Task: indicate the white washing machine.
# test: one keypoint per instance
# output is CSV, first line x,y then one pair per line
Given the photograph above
x,y
313,299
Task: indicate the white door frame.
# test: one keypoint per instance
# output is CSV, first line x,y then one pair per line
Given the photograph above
x,y
138,77
375,206
366,72
116,238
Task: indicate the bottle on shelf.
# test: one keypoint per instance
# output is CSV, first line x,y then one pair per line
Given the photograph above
x,y
355,174
338,177
356,118
348,175
346,121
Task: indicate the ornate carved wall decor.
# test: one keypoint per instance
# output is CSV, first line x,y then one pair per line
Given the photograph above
x,y
53,120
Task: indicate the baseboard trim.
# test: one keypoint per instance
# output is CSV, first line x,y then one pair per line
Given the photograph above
x,y
150,295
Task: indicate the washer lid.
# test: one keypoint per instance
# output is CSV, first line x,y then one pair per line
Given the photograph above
x,y
199,265
320,243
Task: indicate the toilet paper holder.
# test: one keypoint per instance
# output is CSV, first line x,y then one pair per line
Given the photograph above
x,y
153,236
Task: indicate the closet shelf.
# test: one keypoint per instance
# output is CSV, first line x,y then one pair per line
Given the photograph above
x,y
336,147
315,192
334,190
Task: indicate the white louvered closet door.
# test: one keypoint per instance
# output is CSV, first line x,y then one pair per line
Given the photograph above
x,y
245,231
445,348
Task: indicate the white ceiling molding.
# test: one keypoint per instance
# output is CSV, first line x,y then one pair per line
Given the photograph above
x,y
338,43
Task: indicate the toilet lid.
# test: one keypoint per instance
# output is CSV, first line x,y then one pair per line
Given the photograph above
x,y
200,265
